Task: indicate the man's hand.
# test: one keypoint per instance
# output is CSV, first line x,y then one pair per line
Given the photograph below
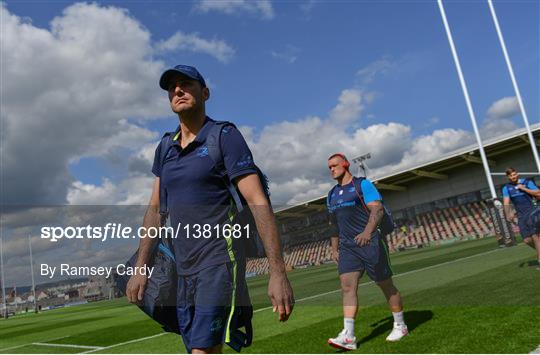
x,y
135,288
281,295
335,256
510,217
363,238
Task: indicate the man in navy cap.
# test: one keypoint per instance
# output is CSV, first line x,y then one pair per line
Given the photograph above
x,y
211,268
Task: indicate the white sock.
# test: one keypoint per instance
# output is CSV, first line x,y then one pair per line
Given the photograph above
x,y
348,325
398,318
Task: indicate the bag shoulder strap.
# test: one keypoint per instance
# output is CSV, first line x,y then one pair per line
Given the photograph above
x,y
166,144
213,142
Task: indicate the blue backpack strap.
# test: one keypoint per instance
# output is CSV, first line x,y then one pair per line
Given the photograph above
x,y
213,142
166,144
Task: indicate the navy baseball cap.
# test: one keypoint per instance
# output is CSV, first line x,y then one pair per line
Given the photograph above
x,y
189,71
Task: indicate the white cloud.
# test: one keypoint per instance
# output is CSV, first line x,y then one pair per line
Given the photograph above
x,y
293,154
431,146
499,117
349,106
71,90
261,8
195,43
289,54
89,194
379,67
133,190
297,190
507,107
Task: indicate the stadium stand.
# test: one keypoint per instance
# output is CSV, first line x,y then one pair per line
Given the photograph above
x,y
438,202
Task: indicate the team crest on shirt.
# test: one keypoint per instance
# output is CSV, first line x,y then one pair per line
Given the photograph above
x,y
202,151
340,192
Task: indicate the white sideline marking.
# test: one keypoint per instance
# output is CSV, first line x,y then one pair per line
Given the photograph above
x,y
69,346
22,345
126,342
397,275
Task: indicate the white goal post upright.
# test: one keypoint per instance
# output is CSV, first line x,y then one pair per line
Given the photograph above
x,y
468,102
514,83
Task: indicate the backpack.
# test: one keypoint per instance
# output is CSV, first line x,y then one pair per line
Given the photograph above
x,y
159,300
252,242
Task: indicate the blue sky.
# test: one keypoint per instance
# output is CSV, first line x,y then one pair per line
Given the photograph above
x,y
274,62
302,79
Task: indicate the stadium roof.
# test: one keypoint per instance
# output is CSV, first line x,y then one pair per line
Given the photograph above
x,y
434,169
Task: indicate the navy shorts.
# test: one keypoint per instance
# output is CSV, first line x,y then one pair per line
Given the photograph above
x,y
525,229
204,304
373,258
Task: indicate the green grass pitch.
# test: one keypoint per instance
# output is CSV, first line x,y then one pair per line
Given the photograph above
x,y
468,297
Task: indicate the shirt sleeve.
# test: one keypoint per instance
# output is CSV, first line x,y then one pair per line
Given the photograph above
x,y
531,185
370,192
505,191
156,167
237,157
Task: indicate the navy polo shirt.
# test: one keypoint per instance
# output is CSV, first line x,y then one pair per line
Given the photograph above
x,y
346,210
197,196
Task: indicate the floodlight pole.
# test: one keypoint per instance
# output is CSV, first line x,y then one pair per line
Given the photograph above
x,y
514,83
468,101
360,161
32,272
2,276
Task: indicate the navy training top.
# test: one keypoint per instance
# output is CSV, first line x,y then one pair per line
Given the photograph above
x,y
348,212
523,202
197,196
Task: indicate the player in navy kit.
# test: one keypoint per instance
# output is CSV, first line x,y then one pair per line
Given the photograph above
x,y
355,207
522,194
211,285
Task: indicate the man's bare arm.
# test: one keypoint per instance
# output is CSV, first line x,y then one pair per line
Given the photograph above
x,y
334,242
251,189
137,283
507,209
279,288
376,213
152,219
534,193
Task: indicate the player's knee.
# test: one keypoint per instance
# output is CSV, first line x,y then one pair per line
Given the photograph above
x,y
347,287
388,286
